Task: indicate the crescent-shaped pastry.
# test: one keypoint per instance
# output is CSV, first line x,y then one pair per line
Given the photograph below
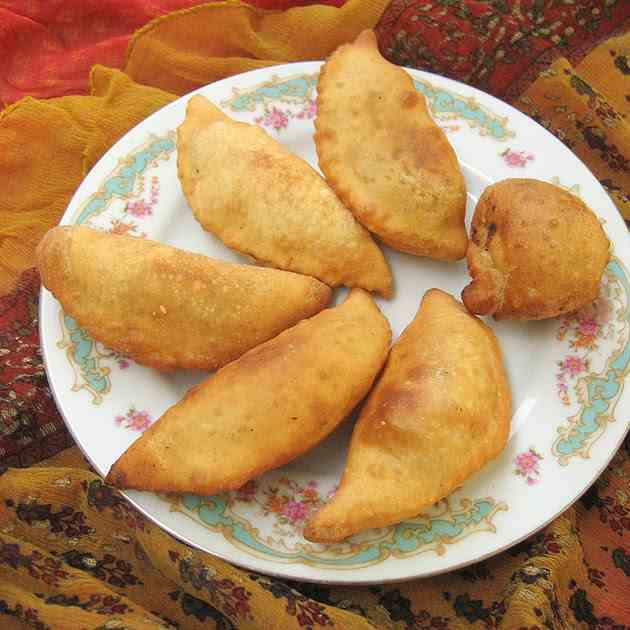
x,y
167,308
385,157
440,411
261,200
264,409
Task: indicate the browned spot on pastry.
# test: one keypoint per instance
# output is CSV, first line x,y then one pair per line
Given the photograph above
x,y
410,99
537,251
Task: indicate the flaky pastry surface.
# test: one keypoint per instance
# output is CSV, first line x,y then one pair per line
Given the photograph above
x,y
384,155
168,308
439,412
264,409
261,200
536,251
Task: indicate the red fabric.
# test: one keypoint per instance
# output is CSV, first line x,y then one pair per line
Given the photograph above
x,y
47,47
31,428
494,45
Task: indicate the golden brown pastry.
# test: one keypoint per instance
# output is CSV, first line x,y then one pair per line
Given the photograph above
x,y
535,251
266,408
385,157
167,308
262,200
439,412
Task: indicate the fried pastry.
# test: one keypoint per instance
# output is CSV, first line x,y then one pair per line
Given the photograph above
x,y
168,308
263,201
536,251
385,157
266,408
439,412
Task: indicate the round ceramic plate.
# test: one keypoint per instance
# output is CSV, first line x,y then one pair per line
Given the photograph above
x,y
567,375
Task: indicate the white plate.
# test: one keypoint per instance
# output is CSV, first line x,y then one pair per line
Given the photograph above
x,y
566,375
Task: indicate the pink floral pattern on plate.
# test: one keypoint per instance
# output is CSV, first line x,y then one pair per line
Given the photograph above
x,y
289,502
123,361
516,159
584,331
138,207
278,119
134,419
527,465
308,111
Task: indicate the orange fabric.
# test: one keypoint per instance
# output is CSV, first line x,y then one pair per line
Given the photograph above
x,y
220,39
587,107
48,148
47,48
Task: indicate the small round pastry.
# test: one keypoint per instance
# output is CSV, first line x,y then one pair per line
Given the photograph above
x,y
536,251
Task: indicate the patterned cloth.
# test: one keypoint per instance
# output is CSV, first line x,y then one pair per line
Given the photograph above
x,y
73,553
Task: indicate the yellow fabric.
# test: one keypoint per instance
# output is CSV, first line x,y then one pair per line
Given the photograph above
x,y
147,566
604,69
217,40
112,559
48,146
588,108
524,588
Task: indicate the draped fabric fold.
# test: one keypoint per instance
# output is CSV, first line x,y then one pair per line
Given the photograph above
x,y
586,108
